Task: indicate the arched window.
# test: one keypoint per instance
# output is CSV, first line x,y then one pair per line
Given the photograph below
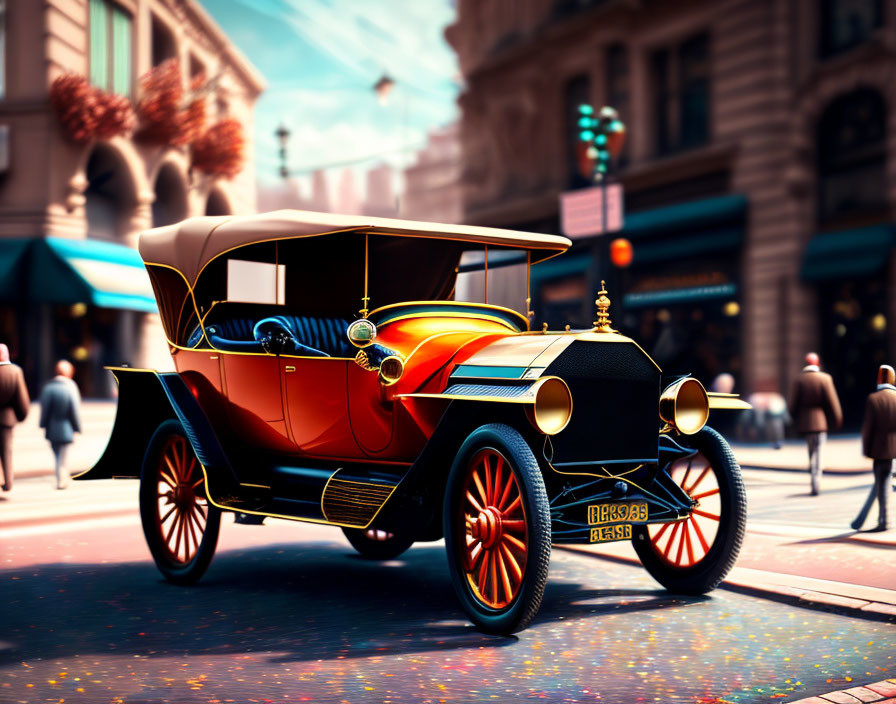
x,y
852,175
109,195
170,205
217,204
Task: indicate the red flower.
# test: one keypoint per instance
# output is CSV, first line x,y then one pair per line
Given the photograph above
x,y
219,152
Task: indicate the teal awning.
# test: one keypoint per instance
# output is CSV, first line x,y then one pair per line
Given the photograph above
x,y
693,215
57,270
847,253
678,295
12,254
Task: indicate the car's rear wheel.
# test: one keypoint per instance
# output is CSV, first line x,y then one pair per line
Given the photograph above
x,y
497,527
692,556
180,524
376,544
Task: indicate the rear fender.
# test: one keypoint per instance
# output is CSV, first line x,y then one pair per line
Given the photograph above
x,y
147,398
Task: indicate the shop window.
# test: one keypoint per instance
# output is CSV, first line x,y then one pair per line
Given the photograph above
x,y
680,84
110,47
578,91
848,23
852,180
617,81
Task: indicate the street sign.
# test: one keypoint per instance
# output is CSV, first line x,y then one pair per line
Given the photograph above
x,y
582,212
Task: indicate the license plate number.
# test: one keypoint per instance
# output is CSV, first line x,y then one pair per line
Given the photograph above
x,y
607,534
622,512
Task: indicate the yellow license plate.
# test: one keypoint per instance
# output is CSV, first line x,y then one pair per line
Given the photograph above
x,y
621,512
607,534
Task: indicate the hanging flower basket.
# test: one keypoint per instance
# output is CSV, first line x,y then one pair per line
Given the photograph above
x,y
87,112
164,118
220,151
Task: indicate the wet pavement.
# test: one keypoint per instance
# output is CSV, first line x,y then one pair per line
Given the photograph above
x,y
306,620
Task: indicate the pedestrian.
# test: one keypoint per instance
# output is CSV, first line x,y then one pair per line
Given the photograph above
x,y
816,409
60,414
776,418
14,403
879,443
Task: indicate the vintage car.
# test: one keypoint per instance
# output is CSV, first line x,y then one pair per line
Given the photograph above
x,y
326,373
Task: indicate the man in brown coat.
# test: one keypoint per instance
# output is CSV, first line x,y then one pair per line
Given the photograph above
x,y
815,409
14,403
879,443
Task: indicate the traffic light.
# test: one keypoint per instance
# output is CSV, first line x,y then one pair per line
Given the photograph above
x,y
604,134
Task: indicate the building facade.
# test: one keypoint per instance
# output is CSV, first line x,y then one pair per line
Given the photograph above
x,y
759,171
70,211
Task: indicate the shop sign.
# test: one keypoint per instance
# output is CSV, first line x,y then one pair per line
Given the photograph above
x,y
582,212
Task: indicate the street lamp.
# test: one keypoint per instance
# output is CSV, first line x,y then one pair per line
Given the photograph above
x,y
282,135
383,87
603,135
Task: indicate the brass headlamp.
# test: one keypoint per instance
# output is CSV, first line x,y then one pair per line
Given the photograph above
x,y
685,406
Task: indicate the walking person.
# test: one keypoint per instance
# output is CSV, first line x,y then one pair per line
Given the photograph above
x,y
60,415
14,403
816,409
879,443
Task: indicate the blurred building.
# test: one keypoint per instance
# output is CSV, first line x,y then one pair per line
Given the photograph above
x,y
72,285
432,183
759,171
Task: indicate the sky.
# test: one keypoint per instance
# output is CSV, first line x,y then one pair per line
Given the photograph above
x,y
321,58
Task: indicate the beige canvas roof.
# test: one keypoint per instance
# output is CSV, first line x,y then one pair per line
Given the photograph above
x,y
189,245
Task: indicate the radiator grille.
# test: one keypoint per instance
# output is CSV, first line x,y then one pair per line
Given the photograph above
x,y
354,503
615,390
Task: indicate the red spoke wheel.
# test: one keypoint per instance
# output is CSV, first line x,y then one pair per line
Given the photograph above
x,y
692,555
180,524
375,544
497,529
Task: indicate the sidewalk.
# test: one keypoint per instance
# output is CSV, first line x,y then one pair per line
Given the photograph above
x,y
31,454
842,455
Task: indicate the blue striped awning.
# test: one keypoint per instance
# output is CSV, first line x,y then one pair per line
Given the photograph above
x,y
847,253
58,270
678,295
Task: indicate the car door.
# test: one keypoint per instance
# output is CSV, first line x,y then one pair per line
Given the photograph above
x,y
317,407
255,401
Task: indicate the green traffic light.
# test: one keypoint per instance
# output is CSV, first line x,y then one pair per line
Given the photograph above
x,y
601,139
585,109
586,135
586,122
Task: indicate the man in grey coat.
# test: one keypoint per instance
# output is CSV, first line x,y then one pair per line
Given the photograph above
x,y
879,443
60,415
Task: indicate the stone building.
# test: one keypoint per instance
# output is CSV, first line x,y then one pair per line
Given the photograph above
x,y
759,171
71,284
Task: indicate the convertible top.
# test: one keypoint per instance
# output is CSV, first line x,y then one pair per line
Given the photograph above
x,y
190,245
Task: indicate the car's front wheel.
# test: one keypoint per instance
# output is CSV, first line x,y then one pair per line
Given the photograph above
x,y
180,524
693,555
377,544
497,526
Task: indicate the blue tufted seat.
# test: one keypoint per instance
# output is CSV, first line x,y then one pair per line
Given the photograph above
x,y
234,334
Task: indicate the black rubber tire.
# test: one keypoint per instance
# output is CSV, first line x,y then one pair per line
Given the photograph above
x,y
708,573
173,571
372,549
520,612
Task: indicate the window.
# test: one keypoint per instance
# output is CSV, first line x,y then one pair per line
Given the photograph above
x,y
852,174
110,47
848,23
256,282
578,91
680,78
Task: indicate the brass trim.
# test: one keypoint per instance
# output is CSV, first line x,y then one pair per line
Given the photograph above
x,y
685,406
452,303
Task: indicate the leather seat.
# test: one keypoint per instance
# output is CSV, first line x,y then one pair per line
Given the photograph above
x,y
234,334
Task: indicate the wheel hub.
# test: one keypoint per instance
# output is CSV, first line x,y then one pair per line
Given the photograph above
x,y
486,527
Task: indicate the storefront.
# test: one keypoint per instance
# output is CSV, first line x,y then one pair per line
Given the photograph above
x,y
849,270
680,298
81,300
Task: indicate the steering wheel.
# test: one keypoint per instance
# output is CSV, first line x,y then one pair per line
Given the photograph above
x,y
274,335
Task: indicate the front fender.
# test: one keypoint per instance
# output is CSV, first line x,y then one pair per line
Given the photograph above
x,y
146,399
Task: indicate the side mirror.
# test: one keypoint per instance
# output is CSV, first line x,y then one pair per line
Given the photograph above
x,y
361,332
